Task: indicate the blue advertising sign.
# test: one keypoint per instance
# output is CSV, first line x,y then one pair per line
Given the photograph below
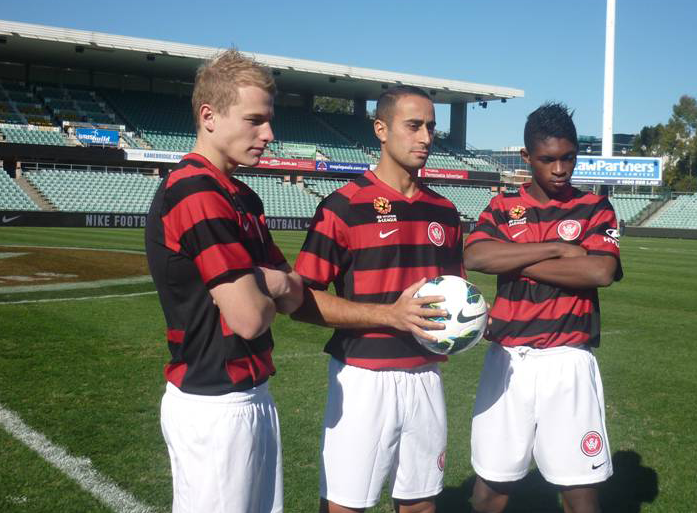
x,y
341,167
617,170
97,136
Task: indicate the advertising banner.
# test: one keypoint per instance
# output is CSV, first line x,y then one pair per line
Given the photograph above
x,y
617,170
458,174
97,136
341,167
277,163
288,223
153,155
301,151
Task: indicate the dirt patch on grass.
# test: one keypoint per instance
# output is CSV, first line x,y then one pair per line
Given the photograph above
x,y
54,265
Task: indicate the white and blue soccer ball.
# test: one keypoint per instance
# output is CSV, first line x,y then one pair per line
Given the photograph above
x,y
467,316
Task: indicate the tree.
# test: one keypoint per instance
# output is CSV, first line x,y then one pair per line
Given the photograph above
x,y
333,105
676,141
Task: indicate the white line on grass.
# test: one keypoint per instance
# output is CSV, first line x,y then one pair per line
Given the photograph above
x,y
94,284
78,469
85,298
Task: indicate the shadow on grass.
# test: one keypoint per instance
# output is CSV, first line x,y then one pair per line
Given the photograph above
x,y
631,485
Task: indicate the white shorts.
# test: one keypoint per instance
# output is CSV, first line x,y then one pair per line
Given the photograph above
x,y
379,424
225,451
541,403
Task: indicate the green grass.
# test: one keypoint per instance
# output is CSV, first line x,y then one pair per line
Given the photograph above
x,y
88,375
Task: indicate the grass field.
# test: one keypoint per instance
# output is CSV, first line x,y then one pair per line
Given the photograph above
x,y
87,374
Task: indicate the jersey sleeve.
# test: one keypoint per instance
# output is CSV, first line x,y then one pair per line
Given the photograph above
x,y
201,223
320,259
602,236
491,225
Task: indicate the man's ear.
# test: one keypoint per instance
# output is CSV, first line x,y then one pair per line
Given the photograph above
x,y
380,128
526,156
206,117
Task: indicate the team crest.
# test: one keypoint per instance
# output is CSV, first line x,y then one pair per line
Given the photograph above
x,y
516,212
382,205
592,443
441,461
569,229
436,234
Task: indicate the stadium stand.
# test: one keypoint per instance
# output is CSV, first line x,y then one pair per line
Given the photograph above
x,y
469,201
282,198
630,206
680,212
323,187
94,191
12,197
31,135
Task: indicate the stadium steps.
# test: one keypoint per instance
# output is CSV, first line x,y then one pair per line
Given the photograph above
x,y
34,194
657,214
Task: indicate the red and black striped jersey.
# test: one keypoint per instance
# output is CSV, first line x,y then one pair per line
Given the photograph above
x,y
527,312
203,229
373,242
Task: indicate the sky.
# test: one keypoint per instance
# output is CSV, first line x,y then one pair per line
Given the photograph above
x,y
551,49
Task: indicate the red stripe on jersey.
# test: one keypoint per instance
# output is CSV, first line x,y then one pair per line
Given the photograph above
x,y
331,226
315,268
397,363
227,331
392,279
255,366
542,341
175,336
555,308
174,373
221,258
194,209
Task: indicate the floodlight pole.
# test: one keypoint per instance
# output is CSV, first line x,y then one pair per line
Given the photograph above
x,y
609,78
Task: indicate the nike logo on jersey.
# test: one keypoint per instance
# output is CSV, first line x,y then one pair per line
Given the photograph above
x,y
467,318
519,233
6,219
245,225
384,235
599,465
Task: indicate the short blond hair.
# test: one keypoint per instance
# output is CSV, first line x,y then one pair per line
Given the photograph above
x,y
217,81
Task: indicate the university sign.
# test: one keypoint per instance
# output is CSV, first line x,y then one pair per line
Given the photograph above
x,y
617,170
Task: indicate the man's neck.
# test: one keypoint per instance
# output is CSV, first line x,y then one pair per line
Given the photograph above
x,y
213,156
397,177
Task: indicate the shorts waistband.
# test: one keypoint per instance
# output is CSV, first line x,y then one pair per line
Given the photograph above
x,y
246,396
525,351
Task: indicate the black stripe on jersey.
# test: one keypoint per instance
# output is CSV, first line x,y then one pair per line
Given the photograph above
x,y
188,162
324,247
364,213
350,344
536,292
587,323
491,230
555,214
209,232
188,186
368,259
363,181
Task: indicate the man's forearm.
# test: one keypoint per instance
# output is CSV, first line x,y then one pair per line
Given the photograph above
x,y
325,309
503,257
583,272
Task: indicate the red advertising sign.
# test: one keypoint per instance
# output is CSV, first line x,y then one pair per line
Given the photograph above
x,y
458,174
278,163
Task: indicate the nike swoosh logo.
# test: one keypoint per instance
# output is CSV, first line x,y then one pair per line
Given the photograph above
x,y
387,234
598,466
9,219
516,234
245,226
468,318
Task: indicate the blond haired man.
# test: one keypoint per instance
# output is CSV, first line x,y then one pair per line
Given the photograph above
x,y
221,280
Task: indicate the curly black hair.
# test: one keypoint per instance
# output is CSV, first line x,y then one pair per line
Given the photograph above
x,y
549,120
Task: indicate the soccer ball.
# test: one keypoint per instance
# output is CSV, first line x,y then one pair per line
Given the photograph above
x,y
467,316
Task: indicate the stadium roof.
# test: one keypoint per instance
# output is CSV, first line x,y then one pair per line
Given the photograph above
x,y
79,49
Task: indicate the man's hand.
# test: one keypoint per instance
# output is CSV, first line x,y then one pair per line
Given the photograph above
x,y
570,250
285,288
409,314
